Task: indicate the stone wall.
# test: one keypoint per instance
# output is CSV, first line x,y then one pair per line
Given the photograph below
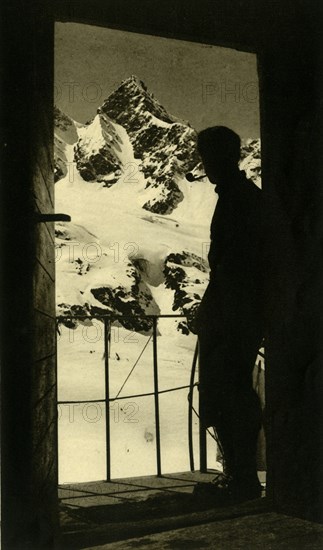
x,y
29,431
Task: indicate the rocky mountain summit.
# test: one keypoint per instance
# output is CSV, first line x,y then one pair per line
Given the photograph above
x,y
164,148
133,209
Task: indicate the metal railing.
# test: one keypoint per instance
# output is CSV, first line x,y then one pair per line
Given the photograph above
x,y
107,320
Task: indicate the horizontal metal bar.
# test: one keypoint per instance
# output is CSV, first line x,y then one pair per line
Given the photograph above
x,y
81,401
124,397
55,217
113,316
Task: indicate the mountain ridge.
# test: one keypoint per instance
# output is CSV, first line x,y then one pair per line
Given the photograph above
x,y
129,189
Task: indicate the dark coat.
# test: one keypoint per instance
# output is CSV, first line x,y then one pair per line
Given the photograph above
x,y
233,299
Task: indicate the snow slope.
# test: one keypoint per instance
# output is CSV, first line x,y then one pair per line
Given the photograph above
x,y
138,245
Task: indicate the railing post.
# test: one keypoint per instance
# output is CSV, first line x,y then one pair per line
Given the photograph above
x,y
203,465
107,397
190,409
202,435
156,394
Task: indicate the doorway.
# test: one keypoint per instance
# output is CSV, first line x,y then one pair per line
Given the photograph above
x,y
127,108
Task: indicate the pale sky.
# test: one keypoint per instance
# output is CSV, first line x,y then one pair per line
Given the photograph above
x,y
205,85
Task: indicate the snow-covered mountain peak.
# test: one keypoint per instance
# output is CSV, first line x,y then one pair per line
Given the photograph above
x,y
133,209
132,97
134,137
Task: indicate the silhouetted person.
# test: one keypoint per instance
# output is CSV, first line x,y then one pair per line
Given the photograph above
x,y
229,319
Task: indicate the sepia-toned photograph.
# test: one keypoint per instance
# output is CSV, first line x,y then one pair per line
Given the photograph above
x,y
162,281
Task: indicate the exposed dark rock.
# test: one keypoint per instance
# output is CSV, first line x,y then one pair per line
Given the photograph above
x,y
95,166
181,271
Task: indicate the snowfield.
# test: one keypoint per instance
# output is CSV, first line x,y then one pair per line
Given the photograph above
x,y
82,455
137,226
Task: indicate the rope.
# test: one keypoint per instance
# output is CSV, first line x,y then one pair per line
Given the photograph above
x,y
207,429
133,368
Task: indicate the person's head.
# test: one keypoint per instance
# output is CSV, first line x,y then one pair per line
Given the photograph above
x,y
219,148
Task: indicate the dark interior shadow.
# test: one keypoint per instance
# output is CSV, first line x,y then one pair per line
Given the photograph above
x,y
157,506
